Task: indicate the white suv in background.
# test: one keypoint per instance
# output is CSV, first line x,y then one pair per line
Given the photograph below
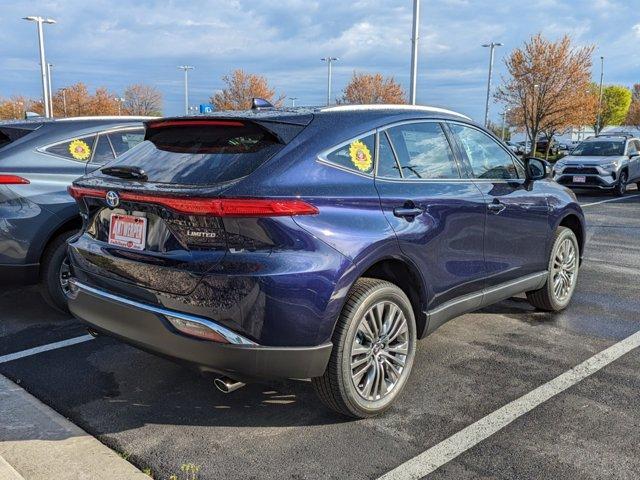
x,y
607,162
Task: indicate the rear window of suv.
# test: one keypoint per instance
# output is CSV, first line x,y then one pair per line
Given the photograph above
x,y
201,152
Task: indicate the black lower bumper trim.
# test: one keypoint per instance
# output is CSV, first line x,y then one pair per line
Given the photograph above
x,y
151,332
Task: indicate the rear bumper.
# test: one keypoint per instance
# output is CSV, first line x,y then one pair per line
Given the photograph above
x,y
147,327
25,274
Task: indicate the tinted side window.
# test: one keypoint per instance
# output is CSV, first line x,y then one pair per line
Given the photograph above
x,y
356,155
123,140
423,151
486,157
632,149
103,152
387,165
79,149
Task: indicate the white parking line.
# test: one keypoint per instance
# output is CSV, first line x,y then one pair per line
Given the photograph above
x,y
45,348
450,448
609,200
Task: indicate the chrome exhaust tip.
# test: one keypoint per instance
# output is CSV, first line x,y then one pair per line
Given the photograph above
x,y
227,385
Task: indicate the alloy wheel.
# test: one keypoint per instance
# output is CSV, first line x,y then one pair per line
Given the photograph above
x,y
379,351
64,275
564,270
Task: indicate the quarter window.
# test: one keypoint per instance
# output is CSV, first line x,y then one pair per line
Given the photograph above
x,y
423,151
488,160
356,155
633,149
78,149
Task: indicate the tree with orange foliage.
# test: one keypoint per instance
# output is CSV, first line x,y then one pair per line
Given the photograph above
x,y
366,89
241,88
548,88
142,99
17,106
633,117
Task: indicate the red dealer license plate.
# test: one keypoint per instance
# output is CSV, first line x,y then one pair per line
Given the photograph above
x,y
128,231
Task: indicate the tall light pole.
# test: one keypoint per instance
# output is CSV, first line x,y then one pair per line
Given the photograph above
x,y
49,65
534,114
329,61
186,69
43,64
293,101
64,101
599,119
120,101
504,114
414,52
492,46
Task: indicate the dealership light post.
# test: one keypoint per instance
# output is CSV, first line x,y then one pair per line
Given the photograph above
x,y
599,119
329,61
49,65
120,101
492,46
186,69
293,101
504,114
64,100
43,64
414,52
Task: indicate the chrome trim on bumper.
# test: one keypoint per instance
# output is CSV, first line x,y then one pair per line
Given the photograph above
x,y
229,335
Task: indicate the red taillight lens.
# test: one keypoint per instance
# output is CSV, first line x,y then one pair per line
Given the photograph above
x,y
219,207
13,180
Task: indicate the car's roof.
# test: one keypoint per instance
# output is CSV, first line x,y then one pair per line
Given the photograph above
x,y
365,112
615,138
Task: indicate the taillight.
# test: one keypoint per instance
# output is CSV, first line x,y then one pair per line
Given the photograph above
x,y
196,329
13,180
219,207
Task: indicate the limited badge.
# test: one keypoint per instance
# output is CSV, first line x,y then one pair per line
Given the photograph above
x,y
360,156
79,150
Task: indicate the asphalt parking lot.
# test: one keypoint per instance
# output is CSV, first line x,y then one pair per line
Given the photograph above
x,y
160,415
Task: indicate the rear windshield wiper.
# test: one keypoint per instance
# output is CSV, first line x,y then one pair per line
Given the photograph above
x,y
124,171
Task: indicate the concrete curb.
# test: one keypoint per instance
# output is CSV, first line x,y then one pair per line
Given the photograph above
x,y
37,443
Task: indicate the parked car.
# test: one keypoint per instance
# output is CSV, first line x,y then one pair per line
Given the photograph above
x,y
316,243
38,161
516,148
605,162
542,144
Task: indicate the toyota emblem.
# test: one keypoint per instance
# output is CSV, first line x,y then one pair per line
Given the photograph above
x,y
113,200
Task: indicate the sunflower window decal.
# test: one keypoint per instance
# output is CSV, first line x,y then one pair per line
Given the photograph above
x,y
79,149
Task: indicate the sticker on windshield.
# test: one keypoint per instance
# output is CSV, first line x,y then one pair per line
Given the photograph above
x,y
79,150
360,156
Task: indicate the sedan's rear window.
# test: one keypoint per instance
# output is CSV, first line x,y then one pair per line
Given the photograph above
x,y
201,153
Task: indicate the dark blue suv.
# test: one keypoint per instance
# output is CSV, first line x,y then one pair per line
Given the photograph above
x,y
316,243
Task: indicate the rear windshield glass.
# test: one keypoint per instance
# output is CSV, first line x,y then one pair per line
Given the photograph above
x,y
599,149
194,154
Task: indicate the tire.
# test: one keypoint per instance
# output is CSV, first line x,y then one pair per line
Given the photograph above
x,y
547,298
51,286
337,389
621,187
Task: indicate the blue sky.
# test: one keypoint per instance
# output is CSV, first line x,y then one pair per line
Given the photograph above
x,y
115,43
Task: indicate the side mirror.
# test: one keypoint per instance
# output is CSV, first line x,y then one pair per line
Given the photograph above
x,y
536,168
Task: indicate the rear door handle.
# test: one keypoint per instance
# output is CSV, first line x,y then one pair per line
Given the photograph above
x,y
407,212
496,206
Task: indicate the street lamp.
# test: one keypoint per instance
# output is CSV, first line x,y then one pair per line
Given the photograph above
x,y
534,114
293,101
599,119
186,69
43,64
329,61
64,100
414,52
492,46
49,65
504,114
120,101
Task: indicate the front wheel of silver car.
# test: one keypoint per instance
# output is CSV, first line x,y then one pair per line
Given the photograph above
x,y
562,277
374,348
621,187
